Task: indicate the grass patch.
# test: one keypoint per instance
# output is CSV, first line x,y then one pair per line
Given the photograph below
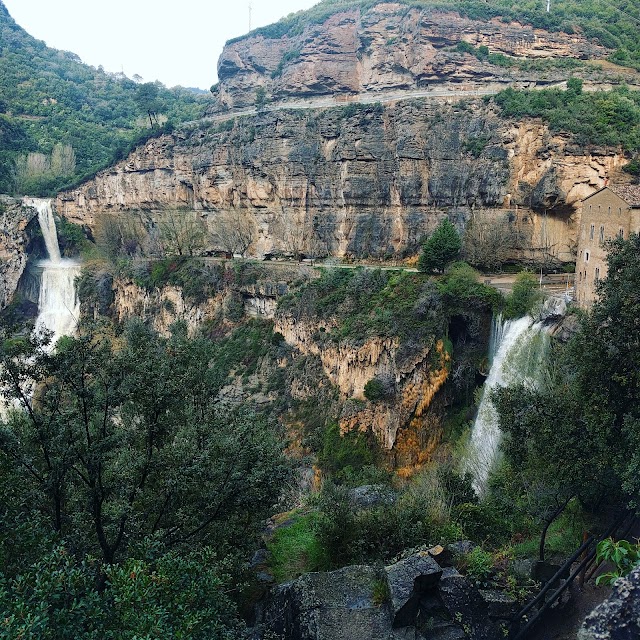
x,y
295,549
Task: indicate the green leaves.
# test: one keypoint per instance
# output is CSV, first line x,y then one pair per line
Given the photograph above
x,y
623,554
603,117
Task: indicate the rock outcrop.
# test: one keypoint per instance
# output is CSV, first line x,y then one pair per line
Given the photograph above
x,y
414,598
14,240
349,367
362,181
386,47
618,617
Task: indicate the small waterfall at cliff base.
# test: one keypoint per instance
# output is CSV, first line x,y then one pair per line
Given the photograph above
x,y
58,306
517,352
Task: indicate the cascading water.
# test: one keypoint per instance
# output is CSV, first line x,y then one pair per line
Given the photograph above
x,y
518,349
58,306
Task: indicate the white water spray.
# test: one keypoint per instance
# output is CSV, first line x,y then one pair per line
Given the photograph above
x,y
518,348
58,306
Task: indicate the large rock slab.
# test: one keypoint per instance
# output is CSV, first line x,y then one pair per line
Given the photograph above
x,y
338,605
409,580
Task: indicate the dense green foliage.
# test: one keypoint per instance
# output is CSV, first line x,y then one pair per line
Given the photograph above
x,y
367,302
601,117
129,495
615,26
523,296
441,248
579,433
50,98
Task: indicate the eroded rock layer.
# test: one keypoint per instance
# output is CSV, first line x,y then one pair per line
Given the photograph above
x,y
361,181
387,47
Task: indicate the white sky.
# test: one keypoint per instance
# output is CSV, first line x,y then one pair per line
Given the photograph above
x,y
174,41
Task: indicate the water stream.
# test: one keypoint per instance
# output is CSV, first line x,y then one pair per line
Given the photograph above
x,y
517,352
58,306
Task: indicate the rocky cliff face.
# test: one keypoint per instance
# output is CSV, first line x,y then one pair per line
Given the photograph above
x,y
14,239
387,47
361,181
349,367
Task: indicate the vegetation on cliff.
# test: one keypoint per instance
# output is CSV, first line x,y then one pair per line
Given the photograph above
x,y
62,120
594,118
129,494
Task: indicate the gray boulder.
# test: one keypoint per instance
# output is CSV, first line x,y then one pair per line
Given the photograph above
x,y
371,495
618,617
337,605
409,580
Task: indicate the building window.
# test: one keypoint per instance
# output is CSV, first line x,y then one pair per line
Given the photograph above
x,y
620,210
609,210
580,278
621,233
586,256
591,231
601,233
595,280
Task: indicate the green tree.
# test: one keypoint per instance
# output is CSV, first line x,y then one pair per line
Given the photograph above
x,y
129,496
147,98
125,442
441,248
261,98
523,296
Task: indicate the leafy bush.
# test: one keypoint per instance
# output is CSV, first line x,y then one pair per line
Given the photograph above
x,y
622,554
379,388
478,564
342,455
523,297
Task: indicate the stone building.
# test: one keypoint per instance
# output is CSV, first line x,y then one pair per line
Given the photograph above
x,y
612,211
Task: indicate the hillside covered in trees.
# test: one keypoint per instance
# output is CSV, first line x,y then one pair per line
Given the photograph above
x,y
62,120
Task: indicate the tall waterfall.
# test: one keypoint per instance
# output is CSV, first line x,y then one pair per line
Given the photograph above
x,y
517,352
58,306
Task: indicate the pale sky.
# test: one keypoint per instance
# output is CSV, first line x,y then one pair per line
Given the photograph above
x,y
174,41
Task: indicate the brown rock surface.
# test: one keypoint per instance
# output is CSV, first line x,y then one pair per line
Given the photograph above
x,y
388,46
361,181
14,218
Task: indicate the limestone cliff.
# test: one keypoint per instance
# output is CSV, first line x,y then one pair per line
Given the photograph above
x,y
361,181
14,240
389,46
349,367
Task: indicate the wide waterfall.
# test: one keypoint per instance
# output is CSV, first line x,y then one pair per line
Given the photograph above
x,y
58,306
517,351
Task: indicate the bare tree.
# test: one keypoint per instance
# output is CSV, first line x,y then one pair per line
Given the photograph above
x,y
181,233
488,242
236,231
121,234
63,160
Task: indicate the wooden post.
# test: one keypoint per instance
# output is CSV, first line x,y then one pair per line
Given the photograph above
x,y
585,537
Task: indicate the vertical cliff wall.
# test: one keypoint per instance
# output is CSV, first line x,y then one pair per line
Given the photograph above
x,y
14,240
360,181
